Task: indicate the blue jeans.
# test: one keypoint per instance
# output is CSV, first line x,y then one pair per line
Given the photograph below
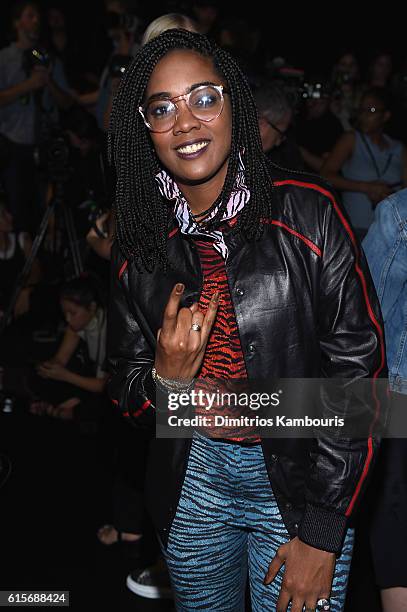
x,y
228,522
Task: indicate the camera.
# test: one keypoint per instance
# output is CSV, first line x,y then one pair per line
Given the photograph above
x,y
36,56
118,65
315,90
52,156
93,210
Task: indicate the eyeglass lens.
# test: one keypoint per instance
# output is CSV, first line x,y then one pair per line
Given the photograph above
x,y
205,103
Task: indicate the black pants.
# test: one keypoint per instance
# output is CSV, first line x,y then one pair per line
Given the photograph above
x,y
129,476
389,524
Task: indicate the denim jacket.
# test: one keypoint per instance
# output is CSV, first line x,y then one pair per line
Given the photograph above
x,y
386,250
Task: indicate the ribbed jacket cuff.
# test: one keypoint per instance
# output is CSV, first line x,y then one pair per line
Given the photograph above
x,y
322,529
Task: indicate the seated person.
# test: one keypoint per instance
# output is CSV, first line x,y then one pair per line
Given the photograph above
x,y
66,388
366,164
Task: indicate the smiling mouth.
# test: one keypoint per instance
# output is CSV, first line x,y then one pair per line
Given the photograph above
x,y
190,149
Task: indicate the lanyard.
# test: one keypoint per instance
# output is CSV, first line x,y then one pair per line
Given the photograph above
x,y
373,159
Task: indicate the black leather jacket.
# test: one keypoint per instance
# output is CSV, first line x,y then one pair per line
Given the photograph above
x,y
305,307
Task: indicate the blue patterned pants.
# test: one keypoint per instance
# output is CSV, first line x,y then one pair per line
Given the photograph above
x,y
228,524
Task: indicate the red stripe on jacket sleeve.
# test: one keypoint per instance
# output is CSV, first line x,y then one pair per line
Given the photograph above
x,y
116,403
306,240
122,269
142,409
372,317
137,413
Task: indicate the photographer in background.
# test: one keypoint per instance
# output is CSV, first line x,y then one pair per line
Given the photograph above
x,y
31,92
317,128
123,27
124,30
346,84
86,142
86,191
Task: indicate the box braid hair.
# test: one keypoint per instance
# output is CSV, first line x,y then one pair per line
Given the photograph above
x,y
142,215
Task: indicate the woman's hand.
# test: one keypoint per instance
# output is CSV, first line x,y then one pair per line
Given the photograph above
x,y
377,191
64,411
307,576
180,349
39,407
52,370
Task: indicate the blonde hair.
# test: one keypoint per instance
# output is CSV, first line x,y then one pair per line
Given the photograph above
x,y
170,21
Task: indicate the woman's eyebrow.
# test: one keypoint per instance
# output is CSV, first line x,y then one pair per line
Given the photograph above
x,y
159,96
167,95
195,85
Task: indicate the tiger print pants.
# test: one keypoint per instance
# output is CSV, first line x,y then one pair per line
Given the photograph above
x,y
228,525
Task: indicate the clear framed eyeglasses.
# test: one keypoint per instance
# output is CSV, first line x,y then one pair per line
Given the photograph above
x,y
205,102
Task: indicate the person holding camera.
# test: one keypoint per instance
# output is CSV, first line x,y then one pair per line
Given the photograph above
x,y
345,79
30,91
85,191
317,128
122,27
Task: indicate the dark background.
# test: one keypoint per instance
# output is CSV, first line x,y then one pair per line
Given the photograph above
x,y
306,36
56,496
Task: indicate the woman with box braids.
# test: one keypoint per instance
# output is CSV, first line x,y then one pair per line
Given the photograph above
x,y
229,270
141,228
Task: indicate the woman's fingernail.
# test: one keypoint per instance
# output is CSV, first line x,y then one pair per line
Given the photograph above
x,y
180,288
215,297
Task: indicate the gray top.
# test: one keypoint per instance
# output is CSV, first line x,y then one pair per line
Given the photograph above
x,y
18,120
370,163
94,335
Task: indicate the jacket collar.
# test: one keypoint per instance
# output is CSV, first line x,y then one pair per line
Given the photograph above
x,y
183,215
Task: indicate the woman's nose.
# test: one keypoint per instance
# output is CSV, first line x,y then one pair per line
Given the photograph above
x,y
185,120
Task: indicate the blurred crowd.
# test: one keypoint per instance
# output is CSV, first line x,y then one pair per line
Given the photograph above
x,y
56,195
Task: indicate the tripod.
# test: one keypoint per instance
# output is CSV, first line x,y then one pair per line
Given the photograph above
x,y
77,265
